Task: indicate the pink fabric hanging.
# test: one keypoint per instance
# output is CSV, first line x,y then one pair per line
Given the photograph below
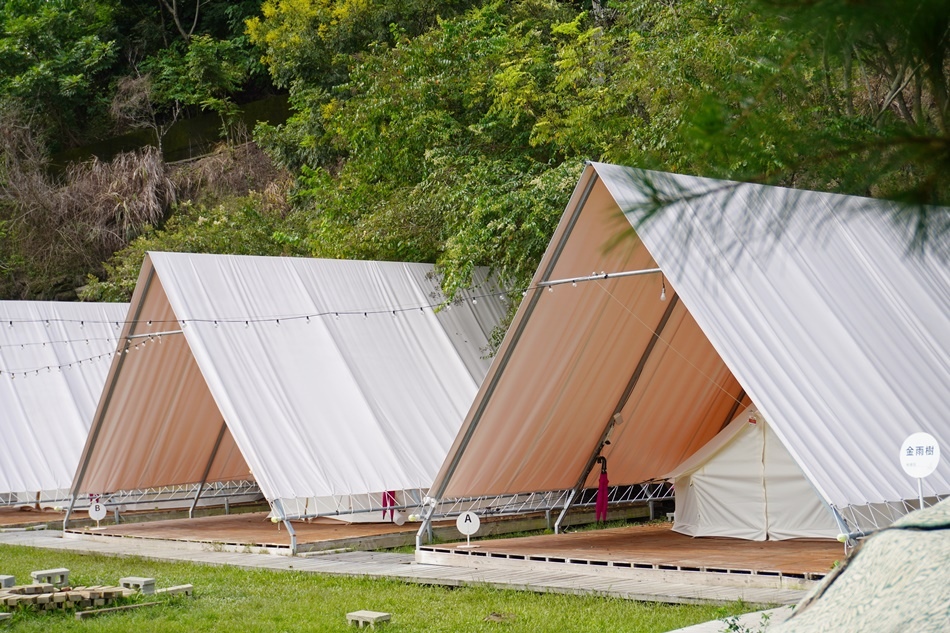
x,y
389,503
600,507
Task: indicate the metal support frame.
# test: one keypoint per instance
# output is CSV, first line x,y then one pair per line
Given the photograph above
x,y
567,506
426,527
290,528
204,476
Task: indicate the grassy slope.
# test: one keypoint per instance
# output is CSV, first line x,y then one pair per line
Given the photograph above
x,y
231,600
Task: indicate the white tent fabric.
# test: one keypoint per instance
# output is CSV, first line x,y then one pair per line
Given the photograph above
x,y
323,377
744,484
54,357
838,333
813,306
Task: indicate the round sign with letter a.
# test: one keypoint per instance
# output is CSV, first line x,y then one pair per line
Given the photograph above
x,y
468,523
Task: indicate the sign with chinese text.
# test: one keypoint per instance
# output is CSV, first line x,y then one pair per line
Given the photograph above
x,y
920,455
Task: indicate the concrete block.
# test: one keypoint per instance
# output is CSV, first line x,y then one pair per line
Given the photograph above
x,y
7,581
143,585
57,577
367,617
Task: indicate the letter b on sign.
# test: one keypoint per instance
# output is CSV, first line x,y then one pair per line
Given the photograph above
x,y
97,512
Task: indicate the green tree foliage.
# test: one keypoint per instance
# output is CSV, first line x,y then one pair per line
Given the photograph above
x,y
204,73
462,144
310,41
54,59
245,225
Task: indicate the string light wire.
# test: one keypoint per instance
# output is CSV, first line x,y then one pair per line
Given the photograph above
x,y
124,343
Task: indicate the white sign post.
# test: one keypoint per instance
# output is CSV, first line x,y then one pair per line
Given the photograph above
x,y
468,523
97,510
919,457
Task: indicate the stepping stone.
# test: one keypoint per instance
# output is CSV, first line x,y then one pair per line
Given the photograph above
x,y
367,617
7,581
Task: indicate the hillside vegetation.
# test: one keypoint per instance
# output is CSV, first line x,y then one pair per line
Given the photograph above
x,y
447,130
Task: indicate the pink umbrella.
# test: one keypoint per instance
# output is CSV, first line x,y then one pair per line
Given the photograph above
x,y
600,506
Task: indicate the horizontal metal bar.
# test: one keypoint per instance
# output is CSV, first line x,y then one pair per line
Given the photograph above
x,y
597,277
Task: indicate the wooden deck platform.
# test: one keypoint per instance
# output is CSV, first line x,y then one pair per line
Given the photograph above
x,y
27,516
652,552
570,580
255,530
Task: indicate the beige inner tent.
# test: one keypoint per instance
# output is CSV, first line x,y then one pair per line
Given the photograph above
x,y
744,484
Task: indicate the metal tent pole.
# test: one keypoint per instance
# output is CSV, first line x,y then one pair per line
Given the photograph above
x,y
204,477
69,510
290,528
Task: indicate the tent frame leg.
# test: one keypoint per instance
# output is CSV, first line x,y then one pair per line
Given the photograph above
x,y
69,511
567,505
426,527
290,528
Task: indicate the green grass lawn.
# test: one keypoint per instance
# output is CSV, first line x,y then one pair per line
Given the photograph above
x,y
230,600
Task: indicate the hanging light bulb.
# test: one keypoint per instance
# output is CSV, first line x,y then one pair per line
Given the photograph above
x,y
247,324
550,288
47,322
663,290
574,283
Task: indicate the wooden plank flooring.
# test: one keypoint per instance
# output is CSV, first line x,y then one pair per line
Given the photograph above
x,y
27,516
658,547
251,528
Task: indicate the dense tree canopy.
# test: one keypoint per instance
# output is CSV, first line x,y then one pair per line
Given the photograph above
x,y
454,130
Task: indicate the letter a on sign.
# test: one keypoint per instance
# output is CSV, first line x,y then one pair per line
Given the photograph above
x,y
468,523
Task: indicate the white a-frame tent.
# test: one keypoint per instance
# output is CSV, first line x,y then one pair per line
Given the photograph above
x,y
666,304
54,357
743,483
322,380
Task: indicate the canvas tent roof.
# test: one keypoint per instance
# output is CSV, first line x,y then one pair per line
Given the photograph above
x,y
319,377
807,304
53,364
744,484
